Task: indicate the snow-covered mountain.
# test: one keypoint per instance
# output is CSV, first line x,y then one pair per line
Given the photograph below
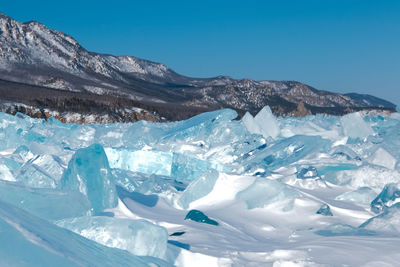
x,y
33,45
48,67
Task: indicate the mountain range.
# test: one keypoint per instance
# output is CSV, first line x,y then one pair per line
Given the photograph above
x,y
45,72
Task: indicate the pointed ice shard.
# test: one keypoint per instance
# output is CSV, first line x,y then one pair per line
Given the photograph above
x,y
264,123
250,124
267,122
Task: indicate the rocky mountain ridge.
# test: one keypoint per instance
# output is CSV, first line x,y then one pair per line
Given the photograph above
x,y
50,67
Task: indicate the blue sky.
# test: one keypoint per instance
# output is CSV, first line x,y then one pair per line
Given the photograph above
x,y
336,45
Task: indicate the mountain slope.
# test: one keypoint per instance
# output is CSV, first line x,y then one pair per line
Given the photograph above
x,y
34,56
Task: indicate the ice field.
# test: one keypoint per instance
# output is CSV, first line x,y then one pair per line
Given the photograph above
x,y
209,191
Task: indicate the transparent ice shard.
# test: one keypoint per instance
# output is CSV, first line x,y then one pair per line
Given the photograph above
x,y
388,221
198,188
200,125
145,161
387,197
139,237
284,152
5,172
264,192
45,203
363,195
42,171
125,179
340,229
143,133
267,122
263,123
383,158
250,124
198,128
176,165
89,173
33,176
164,187
366,175
33,136
32,241
23,154
186,168
13,129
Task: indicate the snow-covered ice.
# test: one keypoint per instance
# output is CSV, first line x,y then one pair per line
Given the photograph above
x,y
208,191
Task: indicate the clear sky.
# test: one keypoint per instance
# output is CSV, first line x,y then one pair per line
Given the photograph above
x,y
336,45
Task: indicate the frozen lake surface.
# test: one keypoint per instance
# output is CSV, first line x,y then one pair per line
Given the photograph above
x,y
208,191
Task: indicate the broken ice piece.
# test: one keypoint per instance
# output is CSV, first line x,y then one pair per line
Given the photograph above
x,y
362,195
198,188
354,126
383,158
324,210
388,221
263,123
390,194
264,192
198,216
139,237
89,173
341,229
